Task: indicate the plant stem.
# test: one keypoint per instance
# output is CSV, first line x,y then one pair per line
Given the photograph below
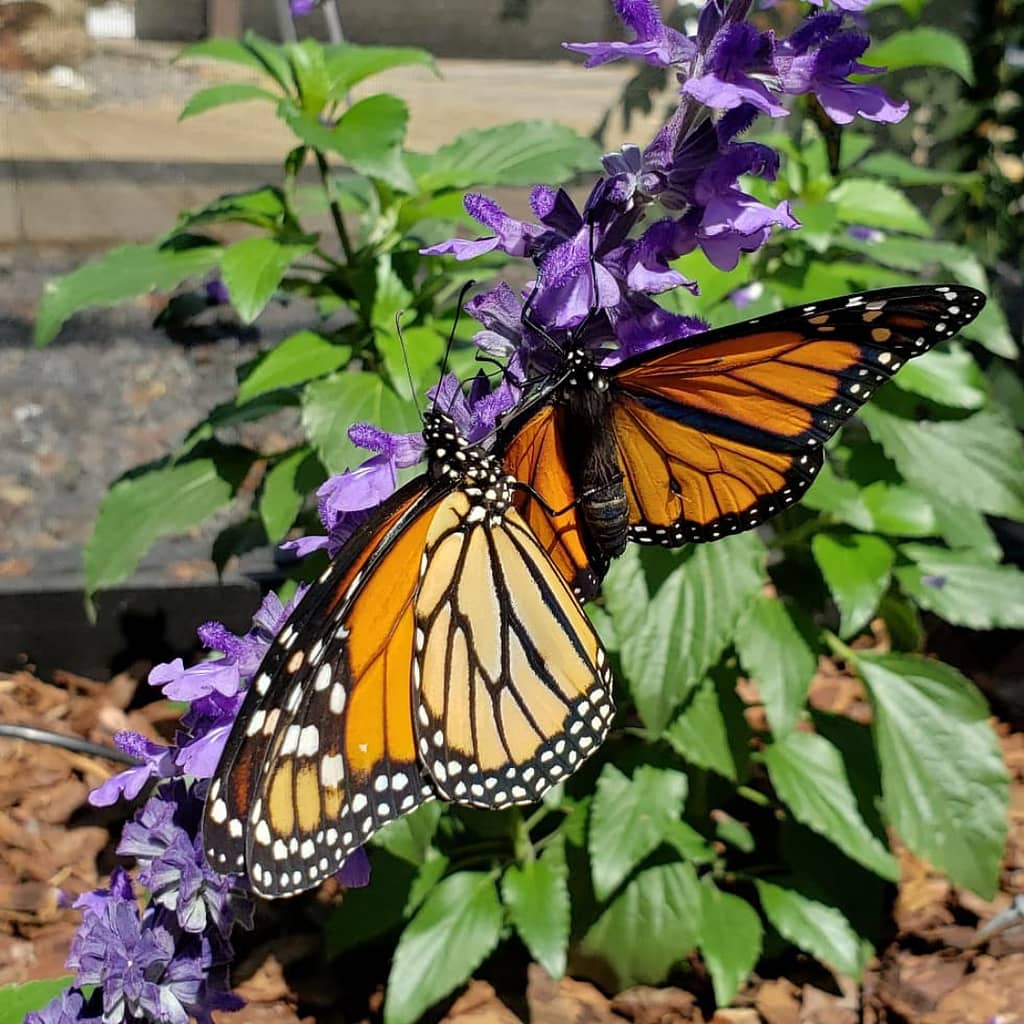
x,y
332,199
839,649
753,796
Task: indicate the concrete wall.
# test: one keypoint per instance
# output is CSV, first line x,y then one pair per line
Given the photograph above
x,y
448,28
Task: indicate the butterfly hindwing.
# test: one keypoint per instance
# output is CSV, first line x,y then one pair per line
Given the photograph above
x,y
719,432
512,688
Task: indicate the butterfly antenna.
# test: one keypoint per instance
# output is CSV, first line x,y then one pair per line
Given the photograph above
x,y
408,365
463,291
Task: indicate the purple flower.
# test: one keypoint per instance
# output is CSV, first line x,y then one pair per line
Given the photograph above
x,y
217,293
301,8
70,1007
818,58
749,293
156,761
179,880
355,871
655,43
736,53
510,235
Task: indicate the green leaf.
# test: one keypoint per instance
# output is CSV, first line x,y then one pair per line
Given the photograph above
x,y
871,202
857,568
364,914
977,461
521,153
221,95
252,269
842,499
629,819
537,898
730,940
949,376
902,171
297,359
369,135
411,836
18,1000
417,354
450,936
265,207
961,588
229,50
118,275
944,782
777,645
285,488
680,630
157,501
810,778
816,928
309,69
923,46
943,778
348,63
899,511
709,730
653,924
330,406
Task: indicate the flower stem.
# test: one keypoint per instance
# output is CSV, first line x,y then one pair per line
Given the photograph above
x,y
332,199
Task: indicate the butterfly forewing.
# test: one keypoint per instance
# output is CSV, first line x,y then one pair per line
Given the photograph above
x,y
322,753
512,688
719,432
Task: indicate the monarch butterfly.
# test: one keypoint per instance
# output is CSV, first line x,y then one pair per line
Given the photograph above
x,y
713,434
440,654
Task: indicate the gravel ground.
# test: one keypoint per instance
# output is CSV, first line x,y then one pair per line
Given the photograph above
x,y
109,394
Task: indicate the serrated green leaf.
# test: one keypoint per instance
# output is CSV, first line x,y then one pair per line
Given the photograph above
x,y
252,269
841,499
450,936
949,376
650,926
155,502
411,836
816,928
777,648
521,153
923,46
369,135
330,406
686,624
18,1000
285,487
871,202
709,730
299,358
536,895
349,63
1008,390
629,819
857,568
119,274
961,588
730,940
943,778
977,461
810,778
214,96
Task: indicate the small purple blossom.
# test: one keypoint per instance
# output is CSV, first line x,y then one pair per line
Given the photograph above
x,y
655,43
302,8
155,762
216,290
70,1007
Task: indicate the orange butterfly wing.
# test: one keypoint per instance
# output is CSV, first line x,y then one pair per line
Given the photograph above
x,y
323,753
719,432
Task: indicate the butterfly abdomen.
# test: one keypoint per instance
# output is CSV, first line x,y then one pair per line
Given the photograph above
x,y
606,513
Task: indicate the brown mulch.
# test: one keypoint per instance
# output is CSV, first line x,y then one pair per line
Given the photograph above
x,y
52,841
